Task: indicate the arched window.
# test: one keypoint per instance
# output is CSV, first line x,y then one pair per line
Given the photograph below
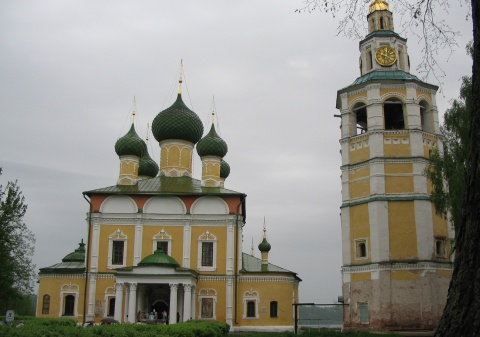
x,y
46,304
69,305
274,309
369,60
393,114
381,23
359,122
111,307
426,117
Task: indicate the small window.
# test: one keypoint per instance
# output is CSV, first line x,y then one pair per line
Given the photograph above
x,y
117,252
46,304
207,254
363,312
273,309
111,307
251,309
69,305
440,247
360,119
361,249
163,245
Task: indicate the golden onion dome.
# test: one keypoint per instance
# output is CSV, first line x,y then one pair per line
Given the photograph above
x,y
378,5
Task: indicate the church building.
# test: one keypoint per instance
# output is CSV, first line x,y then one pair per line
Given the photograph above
x,y
163,245
396,250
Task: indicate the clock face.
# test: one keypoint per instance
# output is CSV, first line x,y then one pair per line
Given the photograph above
x,y
386,56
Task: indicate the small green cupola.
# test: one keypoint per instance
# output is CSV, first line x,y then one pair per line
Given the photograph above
x,y
159,258
212,145
130,144
77,256
264,248
147,167
129,148
211,149
224,172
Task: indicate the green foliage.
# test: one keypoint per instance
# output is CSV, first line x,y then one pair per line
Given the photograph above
x,y
447,169
45,327
16,247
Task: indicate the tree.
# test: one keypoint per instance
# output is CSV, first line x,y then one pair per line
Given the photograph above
x,y
461,316
447,169
16,246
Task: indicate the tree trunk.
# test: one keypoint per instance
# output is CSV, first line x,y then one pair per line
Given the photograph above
x,y
461,317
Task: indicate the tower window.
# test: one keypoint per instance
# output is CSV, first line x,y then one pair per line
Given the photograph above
x,y
393,115
426,117
361,249
360,116
381,24
440,247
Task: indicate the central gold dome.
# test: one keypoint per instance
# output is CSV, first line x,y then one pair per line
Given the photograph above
x,y
378,5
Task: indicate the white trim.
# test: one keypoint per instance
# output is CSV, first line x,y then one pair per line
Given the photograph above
x,y
250,296
207,293
207,237
69,289
117,236
162,236
109,294
356,243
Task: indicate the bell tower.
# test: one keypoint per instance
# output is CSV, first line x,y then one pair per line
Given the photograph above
x,y
396,249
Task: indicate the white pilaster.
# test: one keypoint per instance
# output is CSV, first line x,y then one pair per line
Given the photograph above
x,y
346,249
377,178
192,301
92,287
424,228
187,239
94,248
230,249
137,249
379,232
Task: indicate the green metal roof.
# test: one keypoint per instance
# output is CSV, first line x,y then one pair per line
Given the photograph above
x,y
71,263
165,185
252,264
382,33
388,75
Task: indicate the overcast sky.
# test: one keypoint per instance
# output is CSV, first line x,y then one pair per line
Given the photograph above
x,y
69,71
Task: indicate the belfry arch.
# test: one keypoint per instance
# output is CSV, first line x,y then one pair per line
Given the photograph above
x,y
426,117
359,118
393,116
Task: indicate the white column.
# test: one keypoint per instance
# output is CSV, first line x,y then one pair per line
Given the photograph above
x,y
187,238
132,303
172,319
187,302
137,248
192,312
92,279
118,302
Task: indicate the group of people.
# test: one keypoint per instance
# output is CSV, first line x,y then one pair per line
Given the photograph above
x,y
153,315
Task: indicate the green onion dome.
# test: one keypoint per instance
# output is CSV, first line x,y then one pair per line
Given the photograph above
x,y
158,258
130,144
147,166
77,256
224,169
212,145
264,246
177,122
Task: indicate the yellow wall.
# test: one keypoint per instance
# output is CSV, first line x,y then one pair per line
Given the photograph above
x,y
402,230
399,183
361,187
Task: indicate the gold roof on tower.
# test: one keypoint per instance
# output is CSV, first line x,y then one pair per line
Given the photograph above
x,y
378,5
